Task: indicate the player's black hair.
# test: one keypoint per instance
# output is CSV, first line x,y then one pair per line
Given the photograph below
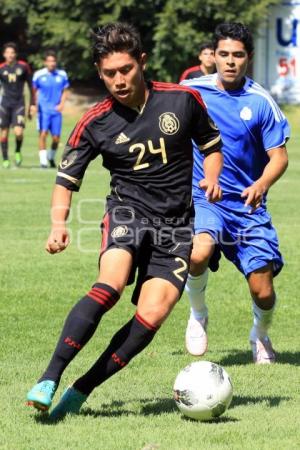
x,y
10,45
206,45
116,37
235,31
50,53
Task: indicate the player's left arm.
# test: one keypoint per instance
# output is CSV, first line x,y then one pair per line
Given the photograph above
x,y
275,132
63,99
32,94
275,168
65,92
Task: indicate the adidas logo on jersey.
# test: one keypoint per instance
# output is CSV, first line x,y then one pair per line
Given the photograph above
x,y
122,138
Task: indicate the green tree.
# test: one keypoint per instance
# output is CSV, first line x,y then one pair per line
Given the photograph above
x,y
171,29
183,25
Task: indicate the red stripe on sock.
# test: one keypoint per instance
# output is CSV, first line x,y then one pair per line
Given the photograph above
x,y
145,323
99,295
118,360
98,300
103,292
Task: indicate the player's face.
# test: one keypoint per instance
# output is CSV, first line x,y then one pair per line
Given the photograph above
x,y
207,58
50,63
232,62
10,55
124,78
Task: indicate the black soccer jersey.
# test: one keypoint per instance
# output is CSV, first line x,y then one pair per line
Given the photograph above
x,y
12,78
148,153
191,72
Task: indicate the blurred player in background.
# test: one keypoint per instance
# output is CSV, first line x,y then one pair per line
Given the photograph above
x,y
206,66
143,132
254,133
51,86
14,74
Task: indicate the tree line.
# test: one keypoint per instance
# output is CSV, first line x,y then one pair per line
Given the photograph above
x,y
171,30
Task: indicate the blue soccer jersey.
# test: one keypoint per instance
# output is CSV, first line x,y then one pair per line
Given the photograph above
x,y
50,86
251,123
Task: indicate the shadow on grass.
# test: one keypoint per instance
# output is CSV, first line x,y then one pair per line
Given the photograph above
x,y
215,421
243,357
239,400
156,407
43,419
178,353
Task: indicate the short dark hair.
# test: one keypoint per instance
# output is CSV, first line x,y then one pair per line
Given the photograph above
x,y
206,45
50,53
236,31
10,45
116,37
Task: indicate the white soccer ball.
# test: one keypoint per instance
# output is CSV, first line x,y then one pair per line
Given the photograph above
x,y
203,390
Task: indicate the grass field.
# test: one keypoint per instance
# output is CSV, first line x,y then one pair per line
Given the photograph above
x,y
134,410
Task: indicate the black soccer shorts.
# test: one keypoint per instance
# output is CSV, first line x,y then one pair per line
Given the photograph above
x,y
159,249
12,115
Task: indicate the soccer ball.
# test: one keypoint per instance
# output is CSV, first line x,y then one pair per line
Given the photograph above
x,y
202,390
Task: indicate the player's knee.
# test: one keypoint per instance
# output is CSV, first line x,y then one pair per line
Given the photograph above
x,y
199,260
263,295
155,315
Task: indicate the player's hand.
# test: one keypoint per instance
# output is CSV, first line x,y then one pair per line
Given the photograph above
x,y
57,241
59,107
32,111
213,191
254,196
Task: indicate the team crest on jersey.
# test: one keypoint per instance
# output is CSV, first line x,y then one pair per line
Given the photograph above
x,y
168,123
246,113
68,161
119,231
19,71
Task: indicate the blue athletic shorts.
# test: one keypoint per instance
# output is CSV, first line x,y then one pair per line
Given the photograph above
x,y
248,240
50,121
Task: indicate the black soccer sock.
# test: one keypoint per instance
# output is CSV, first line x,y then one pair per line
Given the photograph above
x,y
54,146
126,343
79,327
4,148
19,141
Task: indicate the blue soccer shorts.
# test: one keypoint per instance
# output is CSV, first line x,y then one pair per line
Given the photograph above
x,y
50,120
248,240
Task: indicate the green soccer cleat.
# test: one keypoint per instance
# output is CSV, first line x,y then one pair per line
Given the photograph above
x,y
70,403
6,164
41,395
18,159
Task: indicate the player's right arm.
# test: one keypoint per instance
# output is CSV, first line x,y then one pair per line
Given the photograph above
x,y
59,238
80,150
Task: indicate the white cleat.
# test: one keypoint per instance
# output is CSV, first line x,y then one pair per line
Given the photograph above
x,y
196,337
262,350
